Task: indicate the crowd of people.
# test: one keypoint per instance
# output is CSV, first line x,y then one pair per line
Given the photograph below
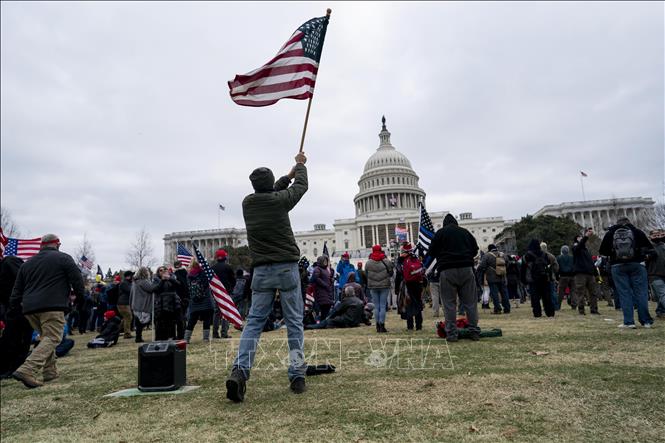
x,y
47,294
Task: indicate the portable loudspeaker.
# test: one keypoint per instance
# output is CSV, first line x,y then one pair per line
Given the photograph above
x,y
162,366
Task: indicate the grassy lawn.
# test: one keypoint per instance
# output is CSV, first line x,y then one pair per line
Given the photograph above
x,y
589,382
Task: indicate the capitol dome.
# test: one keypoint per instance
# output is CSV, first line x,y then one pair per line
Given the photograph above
x,y
388,182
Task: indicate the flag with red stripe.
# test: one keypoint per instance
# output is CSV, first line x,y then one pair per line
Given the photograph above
x,y
290,74
22,248
219,293
309,298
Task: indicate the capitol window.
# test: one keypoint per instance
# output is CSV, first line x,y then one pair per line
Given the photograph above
x,y
314,242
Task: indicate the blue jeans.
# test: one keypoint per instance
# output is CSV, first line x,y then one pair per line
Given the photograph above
x,y
495,290
630,280
555,296
658,287
380,300
284,277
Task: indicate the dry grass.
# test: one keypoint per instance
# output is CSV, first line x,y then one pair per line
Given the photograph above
x,y
596,383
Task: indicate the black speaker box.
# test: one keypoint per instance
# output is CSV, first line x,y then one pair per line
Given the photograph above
x,y
162,366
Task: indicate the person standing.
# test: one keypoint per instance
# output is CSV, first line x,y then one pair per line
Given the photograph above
x,y
379,272
536,274
433,283
566,277
201,303
656,269
344,267
323,286
275,256
141,301
226,275
585,274
554,270
413,279
627,247
180,274
167,304
493,267
42,289
454,249
124,292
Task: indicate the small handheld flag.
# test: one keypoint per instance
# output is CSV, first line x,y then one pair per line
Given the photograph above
x,y
86,262
183,255
224,301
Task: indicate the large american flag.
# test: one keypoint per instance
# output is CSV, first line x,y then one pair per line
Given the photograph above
x,y
183,255
219,293
425,232
22,248
85,262
290,74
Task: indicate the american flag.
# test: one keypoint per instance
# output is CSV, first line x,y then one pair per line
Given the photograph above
x,y
85,262
425,231
219,292
309,299
290,74
584,174
183,255
22,248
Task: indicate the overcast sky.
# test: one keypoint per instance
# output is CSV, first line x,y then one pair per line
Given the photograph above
x,y
116,115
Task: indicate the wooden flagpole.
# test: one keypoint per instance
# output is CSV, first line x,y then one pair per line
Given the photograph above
x,y
309,105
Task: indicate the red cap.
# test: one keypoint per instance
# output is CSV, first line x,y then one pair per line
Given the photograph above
x,y
407,247
117,279
376,248
345,255
109,315
221,254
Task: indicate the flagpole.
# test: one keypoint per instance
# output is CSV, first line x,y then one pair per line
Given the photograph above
x,y
309,103
582,183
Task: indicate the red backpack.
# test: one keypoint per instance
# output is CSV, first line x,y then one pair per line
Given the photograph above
x,y
413,270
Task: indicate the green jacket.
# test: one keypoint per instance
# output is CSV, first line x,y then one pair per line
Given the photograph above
x,y
266,214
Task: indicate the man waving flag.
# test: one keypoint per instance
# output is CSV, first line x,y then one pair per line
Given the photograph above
x,y
290,74
219,293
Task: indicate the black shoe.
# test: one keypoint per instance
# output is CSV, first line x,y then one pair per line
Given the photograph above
x,y
383,327
138,340
496,312
582,312
595,312
235,386
215,334
298,385
378,327
419,328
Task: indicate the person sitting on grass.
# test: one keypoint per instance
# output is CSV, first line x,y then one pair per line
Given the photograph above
x,y
110,332
357,288
349,313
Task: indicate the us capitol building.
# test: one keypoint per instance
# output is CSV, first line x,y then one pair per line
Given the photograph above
x,y
388,197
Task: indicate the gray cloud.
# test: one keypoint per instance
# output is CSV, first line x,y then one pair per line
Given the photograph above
x,y
116,115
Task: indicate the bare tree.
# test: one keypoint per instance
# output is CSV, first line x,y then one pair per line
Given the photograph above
x,y
652,218
141,252
85,248
9,227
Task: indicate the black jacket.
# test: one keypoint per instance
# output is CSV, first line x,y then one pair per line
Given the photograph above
x,y
642,245
124,291
183,289
349,314
9,267
166,297
582,261
43,283
225,275
452,246
110,330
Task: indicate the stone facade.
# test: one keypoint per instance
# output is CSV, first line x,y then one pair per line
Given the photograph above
x,y
600,214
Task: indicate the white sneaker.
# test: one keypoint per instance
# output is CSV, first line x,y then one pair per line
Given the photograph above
x,y
623,326
648,325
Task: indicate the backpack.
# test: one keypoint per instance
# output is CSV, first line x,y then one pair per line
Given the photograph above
x,y
500,266
623,243
413,270
197,291
540,268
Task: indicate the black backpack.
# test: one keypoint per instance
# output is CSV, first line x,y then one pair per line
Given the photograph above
x,y
198,291
540,268
623,243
